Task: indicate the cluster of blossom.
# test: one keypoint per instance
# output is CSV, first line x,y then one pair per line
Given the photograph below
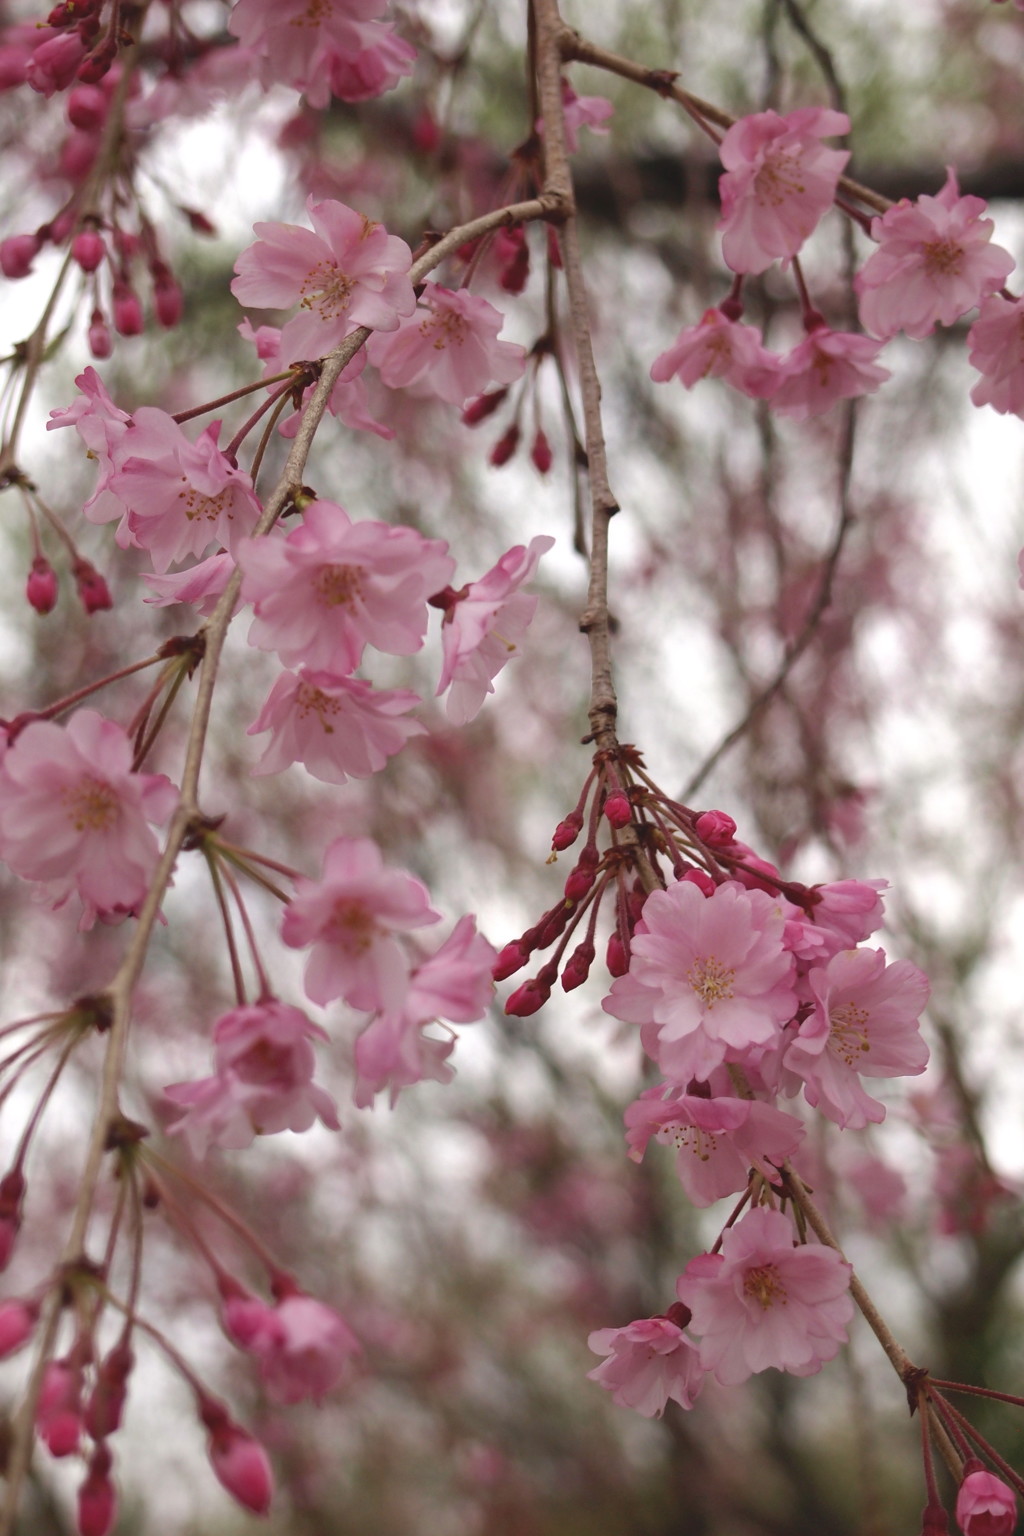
x,y
935,262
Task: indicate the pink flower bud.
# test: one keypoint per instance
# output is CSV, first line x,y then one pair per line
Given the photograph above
x,y
105,1406
618,809
87,108
17,254
246,1319
97,64
934,1521
985,1505
567,831
239,1462
97,1497
578,966
716,829
554,924
41,587
127,310
88,249
17,1322
513,256
100,342
198,222
426,135
167,298
59,1410
512,958
615,956
483,406
78,155
580,880
528,998
505,447
541,453
92,589
701,879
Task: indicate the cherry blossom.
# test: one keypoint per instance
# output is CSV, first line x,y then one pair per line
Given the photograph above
x,y
202,585
345,272
579,112
825,367
263,1083
934,263
719,348
648,1362
764,1302
74,815
332,45
178,497
333,586
844,913
710,972
239,1462
448,348
996,340
985,1505
101,425
717,1140
303,1345
350,917
337,727
348,399
779,180
484,626
864,1024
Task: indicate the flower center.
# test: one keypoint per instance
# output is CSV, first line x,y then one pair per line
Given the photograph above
x,y
779,178
352,926
197,505
313,701
92,805
338,586
710,979
688,1138
764,1283
446,327
326,291
316,12
943,258
847,1034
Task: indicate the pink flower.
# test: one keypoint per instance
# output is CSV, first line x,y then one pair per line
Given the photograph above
x,y
590,112
996,340
710,972
345,272
763,1302
827,366
717,1141
845,913
201,585
308,1350
263,1083
101,425
178,497
985,1505
779,181
337,727
59,1408
334,586
719,348
239,1462
350,917
484,626
316,48
934,263
348,402
449,348
73,814
454,983
649,1361
864,1024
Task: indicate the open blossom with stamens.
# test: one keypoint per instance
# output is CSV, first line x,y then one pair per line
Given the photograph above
x,y
827,366
779,180
648,1362
709,974
935,262
996,340
179,497
864,1024
101,425
763,1302
351,917
74,815
719,348
449,348
333,586
337,727
345,272
717,1141
484,626
328,46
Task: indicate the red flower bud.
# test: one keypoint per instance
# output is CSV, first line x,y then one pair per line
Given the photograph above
x,y
97,1497
580,880
167,297
528,998
483,406
41,587
716,828
17,1324
615,956
512,958
17,254
239,1462
88,249
87,107
127,310
100,343
701,879
541,453
505,447
92,589
618,809
578,966
567,831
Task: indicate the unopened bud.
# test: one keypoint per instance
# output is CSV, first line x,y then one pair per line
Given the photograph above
x,y
618,809
100,342
17,254
59,1410
512,958
88,249
41,587
530,997
505,447
239,1462
105,1406
513,255
541,453
615,956
581,879
17,1324
553,925
167,297
127,310
567,831
716,828
483,406
577,968
701,879
87,107
92,589
97,1497
96,64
